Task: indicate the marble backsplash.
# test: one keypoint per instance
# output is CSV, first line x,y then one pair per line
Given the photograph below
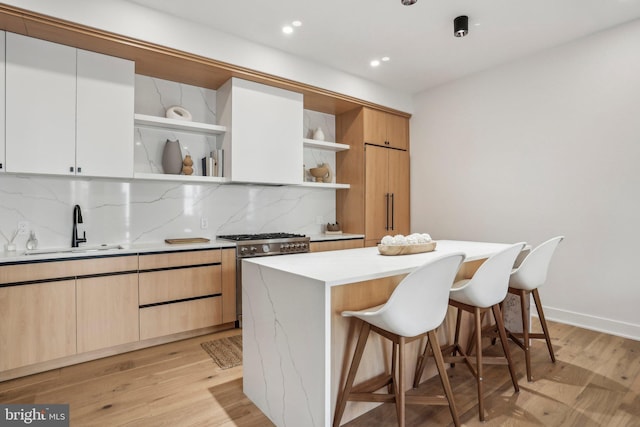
x,y
150,211
137,211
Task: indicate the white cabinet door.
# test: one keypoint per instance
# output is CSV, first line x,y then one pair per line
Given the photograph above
x,y
2,97
265,137
104,139
40,106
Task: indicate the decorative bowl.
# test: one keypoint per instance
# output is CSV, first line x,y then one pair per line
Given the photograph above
x,y
319,173
406,249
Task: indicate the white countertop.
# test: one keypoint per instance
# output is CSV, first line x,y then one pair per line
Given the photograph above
x,y
19,256
356,265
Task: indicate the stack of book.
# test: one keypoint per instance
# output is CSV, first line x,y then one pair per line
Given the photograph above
x,y
213,164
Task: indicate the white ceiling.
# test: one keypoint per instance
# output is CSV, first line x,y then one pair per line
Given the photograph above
x,y
348,34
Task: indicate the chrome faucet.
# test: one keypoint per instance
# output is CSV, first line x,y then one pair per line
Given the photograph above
x,y
77,219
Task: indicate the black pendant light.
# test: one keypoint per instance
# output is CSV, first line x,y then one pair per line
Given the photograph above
x,y
461,26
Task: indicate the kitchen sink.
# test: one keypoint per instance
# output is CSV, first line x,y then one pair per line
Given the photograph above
x,y
79,250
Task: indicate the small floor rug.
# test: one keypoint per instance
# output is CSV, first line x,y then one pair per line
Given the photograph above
x,y
226,352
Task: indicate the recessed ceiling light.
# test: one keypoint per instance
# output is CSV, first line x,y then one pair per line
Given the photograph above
x,y
385,58
287,29
296,23
375,63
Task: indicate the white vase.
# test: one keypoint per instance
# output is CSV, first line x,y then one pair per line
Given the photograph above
x,y
318,135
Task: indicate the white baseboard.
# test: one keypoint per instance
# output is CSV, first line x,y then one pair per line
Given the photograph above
x,y
599,324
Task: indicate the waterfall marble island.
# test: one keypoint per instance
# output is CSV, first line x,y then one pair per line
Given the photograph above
x,y
295,342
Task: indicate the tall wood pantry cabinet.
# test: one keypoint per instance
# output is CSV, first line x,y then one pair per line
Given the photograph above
x,y
377,168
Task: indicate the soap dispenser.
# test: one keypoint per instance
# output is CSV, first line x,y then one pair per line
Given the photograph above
x,y
32,243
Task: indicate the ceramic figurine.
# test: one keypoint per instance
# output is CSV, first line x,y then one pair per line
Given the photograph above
x,y
187,165
318,135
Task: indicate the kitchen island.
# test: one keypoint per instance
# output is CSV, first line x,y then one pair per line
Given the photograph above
x,y
294,339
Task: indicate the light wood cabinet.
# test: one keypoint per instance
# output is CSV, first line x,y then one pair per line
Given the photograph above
x,y
177,284
69,111
179,259
336,245
56,313
181,291
107,309
178,317
378,201
386,193
385,129
41,322
229,308
37,323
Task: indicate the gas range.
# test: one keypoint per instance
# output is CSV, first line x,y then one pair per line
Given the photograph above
x,y
266,244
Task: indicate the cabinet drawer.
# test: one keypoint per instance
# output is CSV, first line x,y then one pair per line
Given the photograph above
x,y
26,272
179,259
336,245
178,317
170,285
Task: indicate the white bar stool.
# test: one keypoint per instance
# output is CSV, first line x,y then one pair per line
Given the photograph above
x,y
525,279
483,292
416,308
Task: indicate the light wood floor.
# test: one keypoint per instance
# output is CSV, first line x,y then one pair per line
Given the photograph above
x,y
595,382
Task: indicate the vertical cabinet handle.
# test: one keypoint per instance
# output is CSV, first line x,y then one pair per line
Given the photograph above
x,y
79,169
386,225
70,168
393,222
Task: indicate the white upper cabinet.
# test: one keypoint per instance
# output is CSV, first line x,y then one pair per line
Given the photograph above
x,y
2,90
40,106
105,100
69,112
264,130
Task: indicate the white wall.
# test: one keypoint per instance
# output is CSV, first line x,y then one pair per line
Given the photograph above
x,y
544,146
129,19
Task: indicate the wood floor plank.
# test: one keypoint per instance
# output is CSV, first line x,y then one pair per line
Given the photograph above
x,y
595,382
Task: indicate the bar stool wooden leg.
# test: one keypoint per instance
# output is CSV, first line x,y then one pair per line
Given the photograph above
x,y
479,365
357,356
543,322
400,388
526,342
437,355
394,354
420,364
497,314
456,337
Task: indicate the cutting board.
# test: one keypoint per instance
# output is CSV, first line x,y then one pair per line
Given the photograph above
x,y
187,240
